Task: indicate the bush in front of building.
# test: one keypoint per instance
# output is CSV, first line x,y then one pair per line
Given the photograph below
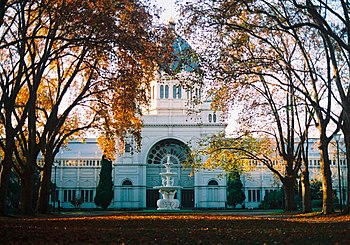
x,y
235,194
272,200
316,189
104,191
76,202
14,190
316,193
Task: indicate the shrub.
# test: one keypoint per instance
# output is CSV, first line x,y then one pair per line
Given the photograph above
x,y
77,202
104,191
272,200
235,194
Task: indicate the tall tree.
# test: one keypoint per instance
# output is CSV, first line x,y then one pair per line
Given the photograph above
x,y
13,70
78,65
251,57
285,47
125,67
331,20
235,194
305,178
104,191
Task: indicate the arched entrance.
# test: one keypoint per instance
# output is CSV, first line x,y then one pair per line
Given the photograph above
x,y
179,154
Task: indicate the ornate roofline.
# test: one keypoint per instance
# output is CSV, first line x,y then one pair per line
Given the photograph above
x,y
185,125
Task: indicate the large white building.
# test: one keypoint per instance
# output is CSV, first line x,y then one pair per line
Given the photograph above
x,y
136,173
168,129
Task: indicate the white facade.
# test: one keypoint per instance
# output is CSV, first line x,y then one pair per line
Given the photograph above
x,y
260,180
136,173
168,126
168,129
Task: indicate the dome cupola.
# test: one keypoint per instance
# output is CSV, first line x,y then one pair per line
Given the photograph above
x,y
183,57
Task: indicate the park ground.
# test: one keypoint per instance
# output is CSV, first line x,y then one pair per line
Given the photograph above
x,y
207,227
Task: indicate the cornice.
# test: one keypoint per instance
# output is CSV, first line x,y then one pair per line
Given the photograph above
x,y
184,125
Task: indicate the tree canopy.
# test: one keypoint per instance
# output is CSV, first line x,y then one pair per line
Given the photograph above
x,y
286,64
67,67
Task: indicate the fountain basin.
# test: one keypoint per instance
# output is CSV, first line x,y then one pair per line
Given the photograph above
x,y
168,174
168,201
168,188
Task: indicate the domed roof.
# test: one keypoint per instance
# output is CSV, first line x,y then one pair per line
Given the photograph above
x,y
183,57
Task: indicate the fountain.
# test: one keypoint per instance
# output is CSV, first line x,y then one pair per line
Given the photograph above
x,y
168,190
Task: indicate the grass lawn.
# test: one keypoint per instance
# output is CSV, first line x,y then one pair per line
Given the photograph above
x,y
176,228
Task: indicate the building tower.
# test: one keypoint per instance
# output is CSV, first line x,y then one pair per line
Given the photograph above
x,y
168,128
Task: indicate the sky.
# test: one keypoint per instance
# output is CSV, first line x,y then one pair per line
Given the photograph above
x,y
169,9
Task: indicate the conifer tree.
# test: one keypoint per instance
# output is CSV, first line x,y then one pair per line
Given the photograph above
x,y
235,194
104,191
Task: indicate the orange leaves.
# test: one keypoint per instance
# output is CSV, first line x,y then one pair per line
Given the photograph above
x,y
22,97
108,145
77,65
88,63
251,227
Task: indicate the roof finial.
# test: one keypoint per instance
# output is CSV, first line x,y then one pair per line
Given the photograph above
x,y
171,23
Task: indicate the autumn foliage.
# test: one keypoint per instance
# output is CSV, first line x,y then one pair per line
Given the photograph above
x,y
68,68
177,228
283,65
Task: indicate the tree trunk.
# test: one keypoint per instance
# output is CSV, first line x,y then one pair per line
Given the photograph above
x,y
27,191
289,194
347,146
6,166
305,190
326,173
44,189
2,11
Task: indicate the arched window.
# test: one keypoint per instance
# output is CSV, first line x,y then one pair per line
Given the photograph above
x,y
209,117
127,183
179,92
213,193
213,182
127,192
214,117
178,151
161,94
127,147
166,91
